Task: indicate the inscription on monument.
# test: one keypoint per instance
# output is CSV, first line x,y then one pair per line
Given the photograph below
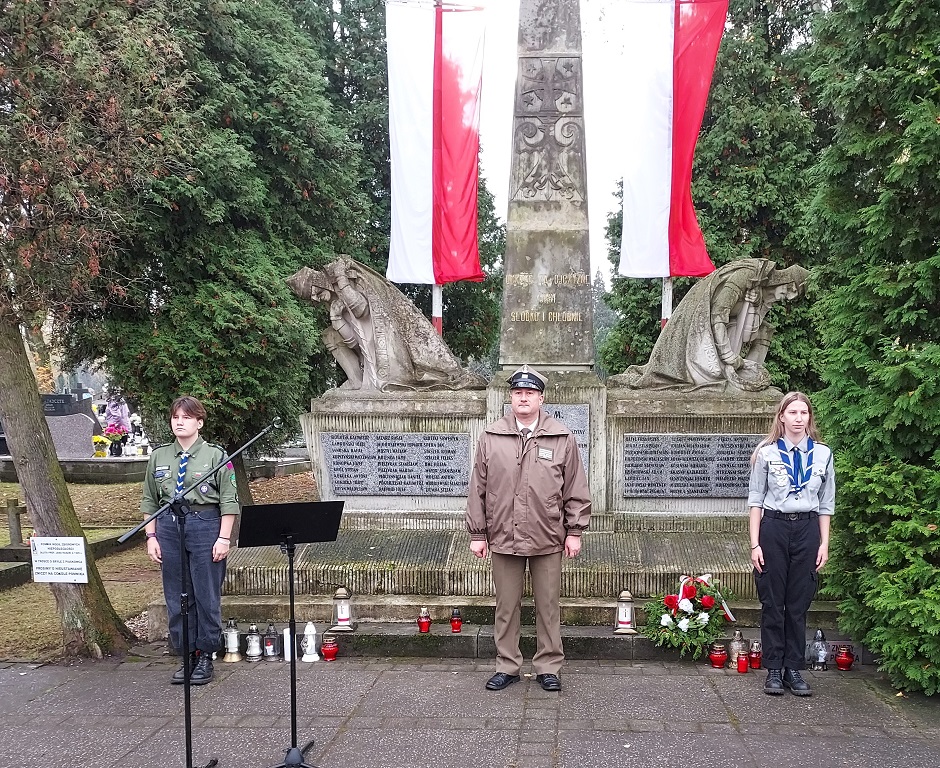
x,y
689,466
389,464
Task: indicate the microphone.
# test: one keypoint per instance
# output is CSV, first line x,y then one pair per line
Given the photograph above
x,y
276,424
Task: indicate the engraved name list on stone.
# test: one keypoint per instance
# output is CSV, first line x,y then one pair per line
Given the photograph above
x,y
687,465
393,464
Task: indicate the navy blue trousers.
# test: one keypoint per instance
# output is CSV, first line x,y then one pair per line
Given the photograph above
x,y
203,582
786,588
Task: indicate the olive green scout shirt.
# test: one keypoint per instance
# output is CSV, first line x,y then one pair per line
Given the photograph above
x,y
160,481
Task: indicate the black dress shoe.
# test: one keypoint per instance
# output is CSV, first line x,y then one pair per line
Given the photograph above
x,y
793,680
177,678
549,682
203,672
774,683
500,680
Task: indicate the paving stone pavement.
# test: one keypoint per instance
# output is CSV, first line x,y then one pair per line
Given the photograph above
x,y
412,713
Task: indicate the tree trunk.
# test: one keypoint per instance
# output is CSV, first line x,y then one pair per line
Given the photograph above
x,y
90,627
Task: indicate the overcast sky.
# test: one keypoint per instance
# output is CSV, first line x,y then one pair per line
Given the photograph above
x,y
603,109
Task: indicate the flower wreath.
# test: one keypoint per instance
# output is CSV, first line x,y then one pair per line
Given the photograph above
x,y
689,620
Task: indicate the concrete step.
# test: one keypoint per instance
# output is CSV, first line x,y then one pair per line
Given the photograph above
x,y
665,519
403,609
394,639
439,563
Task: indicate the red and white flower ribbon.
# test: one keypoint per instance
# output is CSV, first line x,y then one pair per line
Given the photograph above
x,y
706,579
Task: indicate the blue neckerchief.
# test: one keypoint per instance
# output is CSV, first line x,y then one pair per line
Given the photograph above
x,y
797,484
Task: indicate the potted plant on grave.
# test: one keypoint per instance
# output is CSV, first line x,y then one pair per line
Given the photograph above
x,y
117,436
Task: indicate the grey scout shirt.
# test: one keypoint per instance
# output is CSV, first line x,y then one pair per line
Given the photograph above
x,y
770,483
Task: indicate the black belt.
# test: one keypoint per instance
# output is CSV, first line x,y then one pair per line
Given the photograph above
x,y
203,507
778,515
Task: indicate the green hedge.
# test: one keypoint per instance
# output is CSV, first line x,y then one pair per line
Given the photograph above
x,y
885,568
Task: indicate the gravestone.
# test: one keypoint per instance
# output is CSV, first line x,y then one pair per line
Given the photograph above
x,y
71,435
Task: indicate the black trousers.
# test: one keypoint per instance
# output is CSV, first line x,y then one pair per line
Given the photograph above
x,y
786,588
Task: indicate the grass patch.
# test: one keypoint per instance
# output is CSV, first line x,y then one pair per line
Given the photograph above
x,y
29,621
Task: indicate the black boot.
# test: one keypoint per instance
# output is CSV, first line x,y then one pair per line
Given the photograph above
x,y
793,680
774,684
203,672
177,678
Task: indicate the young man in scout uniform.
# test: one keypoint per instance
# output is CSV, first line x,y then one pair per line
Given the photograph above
x,y
528,503
208,530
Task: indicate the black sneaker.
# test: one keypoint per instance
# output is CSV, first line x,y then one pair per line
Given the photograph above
x,y
203,672
774,683
793,680
177,678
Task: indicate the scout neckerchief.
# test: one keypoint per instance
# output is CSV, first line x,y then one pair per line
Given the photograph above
x,y
799,476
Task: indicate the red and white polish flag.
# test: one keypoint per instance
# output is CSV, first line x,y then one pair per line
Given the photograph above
x,y
670,47
435,72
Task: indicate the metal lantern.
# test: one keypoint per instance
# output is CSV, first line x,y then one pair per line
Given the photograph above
x,y
624,625
737,647
270,644
230,634
819,652
309,644
342,611
254,652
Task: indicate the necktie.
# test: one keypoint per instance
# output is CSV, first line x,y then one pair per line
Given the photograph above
x,y
181,474
525,433
797,466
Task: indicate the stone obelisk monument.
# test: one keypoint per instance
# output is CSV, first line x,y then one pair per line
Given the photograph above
x,y
547,315
547,312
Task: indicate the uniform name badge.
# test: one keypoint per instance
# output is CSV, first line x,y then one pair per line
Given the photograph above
x,y
545,453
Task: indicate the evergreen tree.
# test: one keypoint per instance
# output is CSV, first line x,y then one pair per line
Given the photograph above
x,y
604,317
757,142
272,187
89,114
878,210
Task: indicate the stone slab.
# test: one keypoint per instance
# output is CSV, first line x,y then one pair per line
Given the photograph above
x,y
374,464
687,465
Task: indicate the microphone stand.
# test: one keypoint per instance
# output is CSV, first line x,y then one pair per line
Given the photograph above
x,y
180,508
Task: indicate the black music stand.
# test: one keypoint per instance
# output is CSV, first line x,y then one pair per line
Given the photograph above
x,y
286,526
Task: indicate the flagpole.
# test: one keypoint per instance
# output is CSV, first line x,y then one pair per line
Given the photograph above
x,y
437,309
666,311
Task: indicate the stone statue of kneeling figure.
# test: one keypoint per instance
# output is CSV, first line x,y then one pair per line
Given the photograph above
x,y
718,336
377,335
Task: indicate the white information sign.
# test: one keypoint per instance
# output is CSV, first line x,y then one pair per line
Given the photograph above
x,y
59,559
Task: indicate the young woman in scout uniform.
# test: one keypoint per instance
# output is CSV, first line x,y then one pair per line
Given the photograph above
x,y
208,530
791,499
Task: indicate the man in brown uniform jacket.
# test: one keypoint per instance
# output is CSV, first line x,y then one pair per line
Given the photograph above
x,y
528,502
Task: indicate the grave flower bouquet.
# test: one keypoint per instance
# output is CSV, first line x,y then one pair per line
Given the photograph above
x,y
101,444
691,619
114,432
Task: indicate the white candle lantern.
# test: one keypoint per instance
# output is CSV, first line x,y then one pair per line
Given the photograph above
x,y
342,611
624,625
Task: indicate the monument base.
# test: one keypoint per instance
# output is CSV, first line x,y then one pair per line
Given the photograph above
x,y
683,453
404,454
